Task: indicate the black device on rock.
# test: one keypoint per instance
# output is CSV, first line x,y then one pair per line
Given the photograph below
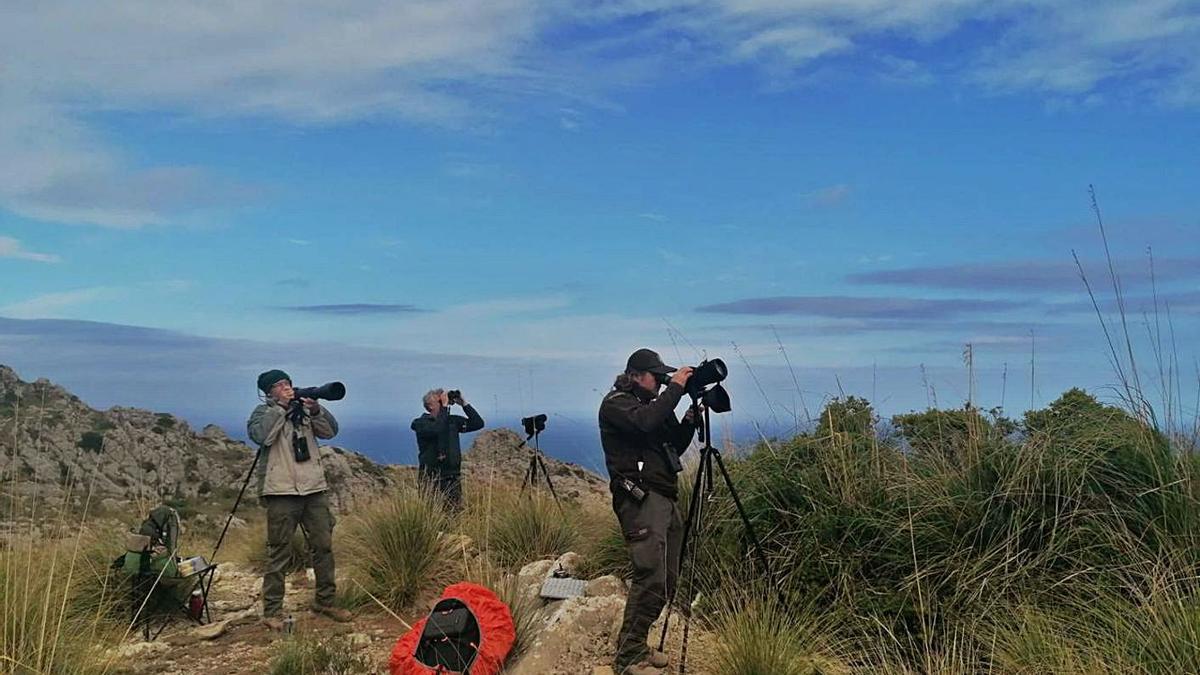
x,y
534,426
708,396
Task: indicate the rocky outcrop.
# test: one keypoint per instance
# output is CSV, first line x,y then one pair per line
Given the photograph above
x,y
498,455
51,441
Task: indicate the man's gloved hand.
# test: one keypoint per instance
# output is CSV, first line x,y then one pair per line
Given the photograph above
x,y
295,411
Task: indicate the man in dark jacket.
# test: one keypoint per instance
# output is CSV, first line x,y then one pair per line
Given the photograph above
x,y
642,442
439,455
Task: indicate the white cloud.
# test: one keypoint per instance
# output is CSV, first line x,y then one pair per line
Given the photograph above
x,y
11,248
1145,49
465,62
51,305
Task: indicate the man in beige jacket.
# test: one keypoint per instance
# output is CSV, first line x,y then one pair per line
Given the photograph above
x,y
291,483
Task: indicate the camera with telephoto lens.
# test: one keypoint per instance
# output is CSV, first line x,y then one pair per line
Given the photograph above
x,y
700,385
333,391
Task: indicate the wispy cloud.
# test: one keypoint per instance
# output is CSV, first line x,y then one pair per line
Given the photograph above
x,y
832,195
1028,275
570,119
875,259
356,309
56,169
12,248
650,215
50,305
845,307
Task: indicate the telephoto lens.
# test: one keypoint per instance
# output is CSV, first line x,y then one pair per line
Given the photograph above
x,y
333,391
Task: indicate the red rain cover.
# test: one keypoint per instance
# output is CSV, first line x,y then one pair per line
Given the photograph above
x,y
496,630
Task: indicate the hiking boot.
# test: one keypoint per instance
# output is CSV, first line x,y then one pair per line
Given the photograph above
x,y
640,668
273,623
336,613
657,659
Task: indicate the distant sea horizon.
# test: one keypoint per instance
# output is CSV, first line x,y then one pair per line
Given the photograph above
x,y
393,442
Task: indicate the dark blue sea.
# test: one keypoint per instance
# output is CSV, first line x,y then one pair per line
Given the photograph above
x,y
394,443
565,438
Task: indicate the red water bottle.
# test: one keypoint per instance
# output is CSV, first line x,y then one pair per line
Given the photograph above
x,y
196,605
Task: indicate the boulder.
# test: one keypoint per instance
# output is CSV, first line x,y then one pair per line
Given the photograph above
x,y
578,631
605,586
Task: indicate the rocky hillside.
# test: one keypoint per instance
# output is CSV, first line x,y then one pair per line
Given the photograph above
x,y
498,455
49,438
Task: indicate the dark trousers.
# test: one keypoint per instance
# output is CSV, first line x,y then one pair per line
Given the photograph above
x,y
653,533
312,514
443,481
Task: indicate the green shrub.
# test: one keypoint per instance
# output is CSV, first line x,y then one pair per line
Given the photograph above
x,y
757,636
91,441
917,546
397,549
603,550
527,528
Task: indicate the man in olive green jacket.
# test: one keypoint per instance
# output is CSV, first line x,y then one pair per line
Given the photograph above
x,y
291,483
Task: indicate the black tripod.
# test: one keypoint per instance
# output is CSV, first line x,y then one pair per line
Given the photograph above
x,y
236,502
534,426
702,491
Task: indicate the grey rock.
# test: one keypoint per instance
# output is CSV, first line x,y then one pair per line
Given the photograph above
x,y
128,454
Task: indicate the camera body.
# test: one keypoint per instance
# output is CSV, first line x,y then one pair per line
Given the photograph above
x,y
710,371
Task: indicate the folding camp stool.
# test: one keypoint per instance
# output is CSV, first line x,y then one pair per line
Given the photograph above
x,y
142,585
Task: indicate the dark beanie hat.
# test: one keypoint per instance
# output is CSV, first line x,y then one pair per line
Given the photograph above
x,y
270,378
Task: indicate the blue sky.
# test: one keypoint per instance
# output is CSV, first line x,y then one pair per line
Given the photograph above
x,y
512,196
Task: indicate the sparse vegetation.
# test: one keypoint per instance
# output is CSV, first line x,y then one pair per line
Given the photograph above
x,y
524,528
309,654
396,549
57,605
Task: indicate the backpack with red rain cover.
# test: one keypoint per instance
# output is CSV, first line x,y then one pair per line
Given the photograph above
x,y
470,632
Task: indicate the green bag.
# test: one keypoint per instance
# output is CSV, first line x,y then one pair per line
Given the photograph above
x,y
146,563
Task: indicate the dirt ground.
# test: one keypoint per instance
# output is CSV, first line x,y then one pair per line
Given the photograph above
x,y
574,637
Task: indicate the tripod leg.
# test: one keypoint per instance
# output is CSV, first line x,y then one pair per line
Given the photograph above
x,y
249,475
758,549
546,473
529,477
688,527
